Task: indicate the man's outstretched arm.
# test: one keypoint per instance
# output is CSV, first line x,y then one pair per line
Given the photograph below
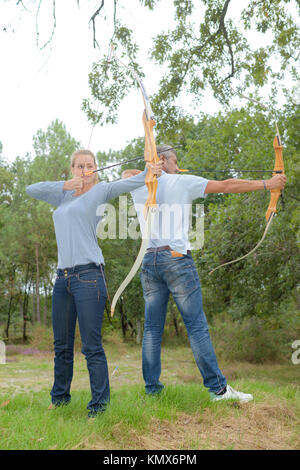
x,y
244,186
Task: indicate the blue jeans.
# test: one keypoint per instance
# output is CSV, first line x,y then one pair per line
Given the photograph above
x,y
162,274
79,292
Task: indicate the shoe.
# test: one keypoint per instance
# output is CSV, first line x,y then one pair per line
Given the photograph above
x,y
154,390
232,394
53,406
93,413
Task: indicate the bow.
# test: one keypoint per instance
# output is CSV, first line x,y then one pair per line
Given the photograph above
x,y
150,157
278,168
275,193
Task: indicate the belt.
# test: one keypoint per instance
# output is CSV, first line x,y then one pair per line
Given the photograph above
x,y
78,268
167,247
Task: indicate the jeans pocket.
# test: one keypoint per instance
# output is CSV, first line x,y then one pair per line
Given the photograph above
x,y
88,277
182,277
91,284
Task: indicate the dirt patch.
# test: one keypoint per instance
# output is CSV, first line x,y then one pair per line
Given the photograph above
x,y
101,444
254,427
240,427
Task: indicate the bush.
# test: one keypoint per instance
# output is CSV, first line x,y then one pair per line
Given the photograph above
x,y
42,338
255,339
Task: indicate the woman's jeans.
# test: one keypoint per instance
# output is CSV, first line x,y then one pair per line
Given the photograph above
x,y
79,292
162,274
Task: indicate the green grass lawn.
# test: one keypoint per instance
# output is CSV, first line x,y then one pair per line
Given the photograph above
x,y
181,418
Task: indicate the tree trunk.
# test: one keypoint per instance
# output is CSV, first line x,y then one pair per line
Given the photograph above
x,y
123,317
8,317
174,321
33,308
45,305
25,304
139,330
37,285
108,314
12,289
298,296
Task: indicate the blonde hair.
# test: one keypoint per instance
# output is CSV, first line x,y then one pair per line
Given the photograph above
x,y
85,152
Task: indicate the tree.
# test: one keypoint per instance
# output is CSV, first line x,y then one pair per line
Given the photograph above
x,y
210,46
28,251
208,50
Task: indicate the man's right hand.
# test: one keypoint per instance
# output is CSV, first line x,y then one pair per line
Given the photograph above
x,y
276,182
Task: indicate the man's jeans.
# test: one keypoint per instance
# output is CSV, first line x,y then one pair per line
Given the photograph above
x,y
79,292
162,274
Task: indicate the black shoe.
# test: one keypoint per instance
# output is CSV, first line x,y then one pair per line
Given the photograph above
x,y
95,412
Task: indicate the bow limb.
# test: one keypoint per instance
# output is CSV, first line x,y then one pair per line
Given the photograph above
x,y
137,263
151,157
275,193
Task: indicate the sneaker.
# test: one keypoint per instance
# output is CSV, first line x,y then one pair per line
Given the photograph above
x,y
94,412
53,406
154,390
232,394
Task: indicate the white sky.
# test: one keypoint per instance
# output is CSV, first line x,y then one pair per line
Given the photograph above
x,y
37,87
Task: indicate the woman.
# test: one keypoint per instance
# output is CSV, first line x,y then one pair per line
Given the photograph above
x,y
80,290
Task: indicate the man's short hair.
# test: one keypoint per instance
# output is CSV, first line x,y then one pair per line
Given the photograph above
x,y
165,150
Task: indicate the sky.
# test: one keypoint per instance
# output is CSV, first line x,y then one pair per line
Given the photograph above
x,y
39,86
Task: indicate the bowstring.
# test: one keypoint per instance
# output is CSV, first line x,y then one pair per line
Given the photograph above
x,y
250,252
273,213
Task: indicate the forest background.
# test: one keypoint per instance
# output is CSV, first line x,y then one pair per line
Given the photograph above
x,y
252,306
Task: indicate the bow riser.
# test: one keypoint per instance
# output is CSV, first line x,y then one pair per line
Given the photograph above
x,y
278,168
151,157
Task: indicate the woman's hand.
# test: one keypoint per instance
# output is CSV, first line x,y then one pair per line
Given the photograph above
x,y
75,183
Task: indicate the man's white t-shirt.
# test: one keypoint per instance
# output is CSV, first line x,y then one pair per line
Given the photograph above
x,y
174,197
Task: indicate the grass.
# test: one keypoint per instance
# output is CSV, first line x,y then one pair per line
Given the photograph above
x,y
182,417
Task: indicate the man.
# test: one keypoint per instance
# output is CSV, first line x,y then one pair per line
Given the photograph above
x,y
168,267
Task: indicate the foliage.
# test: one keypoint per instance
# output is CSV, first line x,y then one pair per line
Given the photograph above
x,y
229,142
26,226
235,223
213,46
256,340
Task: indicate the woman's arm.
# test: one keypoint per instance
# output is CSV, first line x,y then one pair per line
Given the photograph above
x,y
48,191
129,173
126,185
130,183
